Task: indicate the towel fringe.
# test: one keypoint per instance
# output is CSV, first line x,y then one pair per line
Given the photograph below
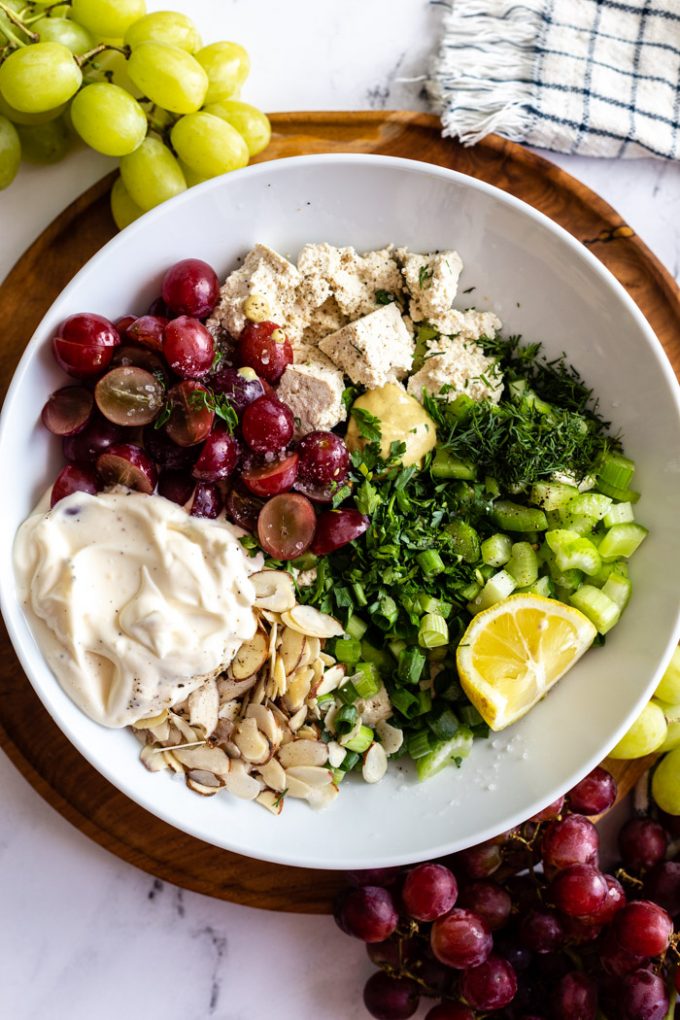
x,y
481,81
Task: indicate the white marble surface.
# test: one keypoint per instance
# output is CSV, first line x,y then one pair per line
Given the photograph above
x,y
81,934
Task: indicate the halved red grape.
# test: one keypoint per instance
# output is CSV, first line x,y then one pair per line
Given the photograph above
x,y
191,420
243,508
129,396
129,355
68,411
167,454
191,287
271,479
148,331
218,457
85,447
286,526
267,425
188,347
83,344
208,501
240,385
336,528
177,486
324,458
73,479
317,493
126,464
257,349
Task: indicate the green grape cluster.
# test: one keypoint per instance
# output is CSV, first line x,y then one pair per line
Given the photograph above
x,y
136,86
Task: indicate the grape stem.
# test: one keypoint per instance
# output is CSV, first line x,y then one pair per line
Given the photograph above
x,y
84,58
45,11
14,18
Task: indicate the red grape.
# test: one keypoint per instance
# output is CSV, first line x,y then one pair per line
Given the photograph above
x,y
575,997
177,486
643,996
218,457
73,479
438,978
269,479
130,355
662,885
317,493
68,410
243,508
519,956
148,331
129,396
387,954
572,840
83,345
324,458
553,810
158,308
579,890
479,861
167,454
259,351
614,960
336,528
388,998
488,900
594,794
207,501
643,928
191,419
267,425
541,931
580,930
642,843
240,385
285,527
188,347
491,985
450,1011
127,464
368,913
429,892
85,447
191,287
461,939
123,322
614,900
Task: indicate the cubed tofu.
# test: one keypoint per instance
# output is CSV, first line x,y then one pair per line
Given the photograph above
x,y
432,282
462,365
312,388
267,275
374,350
469,325
353,279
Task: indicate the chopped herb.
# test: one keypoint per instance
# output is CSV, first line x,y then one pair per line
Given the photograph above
x,y
384,297
217,359
469,290
425,275
368,424
216,402
163,415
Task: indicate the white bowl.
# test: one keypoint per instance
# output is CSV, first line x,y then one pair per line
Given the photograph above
x,y
543,284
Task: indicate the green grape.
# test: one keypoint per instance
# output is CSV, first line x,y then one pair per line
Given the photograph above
x,y
666,783
10,152
672,736
169,27
17,117
39,77
151,174
113,67
646,734
123,209
16,6
60,11
250,122
108,18
190,176
227,65
44,143
108,119
208,145
62,30
669,685
170,77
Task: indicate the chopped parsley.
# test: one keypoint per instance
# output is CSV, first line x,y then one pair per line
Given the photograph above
x,y
384,297
425,275
368,424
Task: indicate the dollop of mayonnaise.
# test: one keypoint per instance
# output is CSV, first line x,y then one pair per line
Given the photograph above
x,y
132,601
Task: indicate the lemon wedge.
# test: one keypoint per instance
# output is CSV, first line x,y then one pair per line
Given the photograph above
x,y
513,653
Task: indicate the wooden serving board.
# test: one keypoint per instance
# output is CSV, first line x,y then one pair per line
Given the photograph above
x,y
27,734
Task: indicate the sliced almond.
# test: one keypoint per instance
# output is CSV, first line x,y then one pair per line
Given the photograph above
x,y
297,720
203,705
296,788
211,759
329,718
311,775
241,783
327,660
203,791
204,778
273,775
172,762
280,680
274,590
331,680
252,744
314,647
229,711
391,737
151,760
307,732
303,752
321,797
230,689
375,764
151,722
271,801
188,733
250,657
299,686
161,732
265,723
309,621
336,754
317,670
291,650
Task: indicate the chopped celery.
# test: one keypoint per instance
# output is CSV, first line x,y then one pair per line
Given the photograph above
x,y
572,552
460,407
618,589
618,513
361,741
465,540
496,550
378,656
513,517
552,495
616,492
484,572
598,607
619,567
569,580
616,470
523,564
621,541
445,753
491,487
590,504
356,628
495,590
542,586
578,523
445,465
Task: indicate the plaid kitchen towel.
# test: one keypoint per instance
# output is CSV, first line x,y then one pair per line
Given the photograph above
x,y
594,77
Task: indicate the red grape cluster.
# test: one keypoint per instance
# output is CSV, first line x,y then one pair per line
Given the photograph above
x,y
526,926
158,405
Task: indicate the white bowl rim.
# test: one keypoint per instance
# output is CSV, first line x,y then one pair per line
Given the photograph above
x,y
11,611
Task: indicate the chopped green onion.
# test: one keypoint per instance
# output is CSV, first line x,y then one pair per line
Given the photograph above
x,y
513,517
405,702
445,726
323,698
345,719
523,564
385,613
445,465
621,541
430,562
495,590
411,665
362,741
349,761
616,470
366,680
470,591
444,753
433,631
465,540
599,609
338,775
356,627
424,702
347,650
418,744
378,656
552,495
397,646
305,562
359,594
497,550
428,603
348,693
470,716
619,513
